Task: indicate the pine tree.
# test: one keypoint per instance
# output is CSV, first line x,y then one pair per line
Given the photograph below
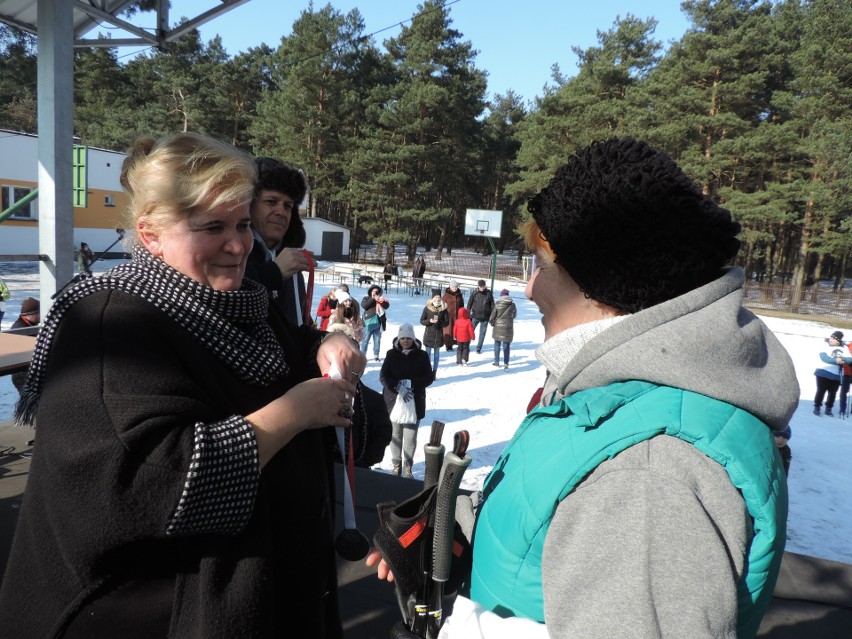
x,y
18,62
420,155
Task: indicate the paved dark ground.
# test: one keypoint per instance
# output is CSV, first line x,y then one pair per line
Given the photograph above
x,y
813,598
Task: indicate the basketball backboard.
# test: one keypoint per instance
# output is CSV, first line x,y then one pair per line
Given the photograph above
x,y
483,223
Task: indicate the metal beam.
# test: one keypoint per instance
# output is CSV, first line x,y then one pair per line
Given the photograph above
x,y
110,18
208,15
55,142
23,26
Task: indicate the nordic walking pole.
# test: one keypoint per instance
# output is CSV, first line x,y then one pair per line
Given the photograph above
x,y
455,464
434,451
351,544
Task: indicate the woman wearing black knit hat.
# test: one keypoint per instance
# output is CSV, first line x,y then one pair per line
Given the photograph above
x,y
643,494
160,390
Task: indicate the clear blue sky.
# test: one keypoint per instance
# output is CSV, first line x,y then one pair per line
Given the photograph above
x,y
518,41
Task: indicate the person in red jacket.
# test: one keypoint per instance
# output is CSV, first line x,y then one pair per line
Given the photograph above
x,y
463,333
324,309
845,378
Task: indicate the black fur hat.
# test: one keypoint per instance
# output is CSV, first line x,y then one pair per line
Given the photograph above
x,y
630,227
274,175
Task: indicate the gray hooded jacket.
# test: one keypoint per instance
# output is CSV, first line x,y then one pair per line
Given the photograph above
x,y
653,542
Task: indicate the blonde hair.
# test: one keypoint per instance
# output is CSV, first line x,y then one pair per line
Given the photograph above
x,y
534,238
169,178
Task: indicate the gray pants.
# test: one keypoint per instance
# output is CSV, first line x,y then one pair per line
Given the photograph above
x,y
404,436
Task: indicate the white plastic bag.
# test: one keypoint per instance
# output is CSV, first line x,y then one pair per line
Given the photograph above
x,y
404,412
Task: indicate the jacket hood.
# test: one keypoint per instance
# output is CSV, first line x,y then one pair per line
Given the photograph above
x,y
442,306
463,313
703,341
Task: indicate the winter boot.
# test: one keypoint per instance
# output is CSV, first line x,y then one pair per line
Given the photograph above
x,y
816,410
407,473
397,469
828,412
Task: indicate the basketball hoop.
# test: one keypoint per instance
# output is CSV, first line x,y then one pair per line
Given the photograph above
x,y
482,223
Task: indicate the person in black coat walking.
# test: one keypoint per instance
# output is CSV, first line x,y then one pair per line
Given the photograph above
x,y
479,305
434,317
405,362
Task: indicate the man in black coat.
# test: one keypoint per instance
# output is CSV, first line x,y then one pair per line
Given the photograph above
x,y
479,306
277,259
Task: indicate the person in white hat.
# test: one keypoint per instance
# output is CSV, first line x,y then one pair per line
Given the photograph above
x,y
405,374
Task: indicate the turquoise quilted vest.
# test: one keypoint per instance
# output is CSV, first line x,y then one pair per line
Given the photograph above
x,y
566,441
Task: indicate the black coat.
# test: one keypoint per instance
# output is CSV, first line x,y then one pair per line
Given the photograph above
x,y
414,365
115,439
479,304
282,292
371,428
433,334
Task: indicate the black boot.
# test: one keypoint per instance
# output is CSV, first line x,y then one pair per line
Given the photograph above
x,y
828,411
816,410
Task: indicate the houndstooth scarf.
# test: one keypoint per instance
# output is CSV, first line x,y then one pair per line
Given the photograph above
x,y
230,324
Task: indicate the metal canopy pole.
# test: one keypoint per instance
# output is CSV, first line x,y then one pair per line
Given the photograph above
x,y
55,141
493,263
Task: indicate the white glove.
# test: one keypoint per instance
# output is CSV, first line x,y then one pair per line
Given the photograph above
x,y
404,390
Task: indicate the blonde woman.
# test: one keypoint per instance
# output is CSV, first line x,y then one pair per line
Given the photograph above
x,y
161,390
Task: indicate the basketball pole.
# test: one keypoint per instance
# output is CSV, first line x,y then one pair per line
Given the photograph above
x,y
493,262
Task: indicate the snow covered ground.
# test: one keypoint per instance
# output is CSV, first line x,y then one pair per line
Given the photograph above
x,y
489,403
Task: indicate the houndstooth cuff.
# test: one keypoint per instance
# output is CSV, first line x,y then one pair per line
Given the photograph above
x,y
218,496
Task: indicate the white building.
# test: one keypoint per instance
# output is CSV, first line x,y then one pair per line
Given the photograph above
x,y
328,241
97,223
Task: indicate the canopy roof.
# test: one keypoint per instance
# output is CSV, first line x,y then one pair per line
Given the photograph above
x,y
88,14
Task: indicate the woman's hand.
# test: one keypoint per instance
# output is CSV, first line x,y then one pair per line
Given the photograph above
x,y
383,571
316,403
344,353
